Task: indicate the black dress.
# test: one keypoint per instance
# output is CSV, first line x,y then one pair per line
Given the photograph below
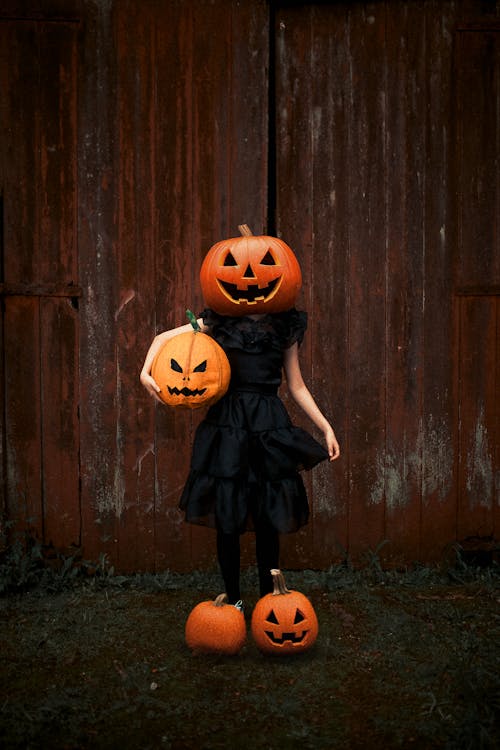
x,y
247,454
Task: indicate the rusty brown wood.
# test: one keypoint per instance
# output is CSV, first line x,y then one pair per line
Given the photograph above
x,y
385,172
184,179
401,460
438,499
396,187
39,266
478,388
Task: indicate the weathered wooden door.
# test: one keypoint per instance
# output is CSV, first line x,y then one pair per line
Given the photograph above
x,y
39,280
387,162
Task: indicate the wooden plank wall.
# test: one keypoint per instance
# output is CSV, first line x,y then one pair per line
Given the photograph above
x,y
39,270
179,160
378,111
348,128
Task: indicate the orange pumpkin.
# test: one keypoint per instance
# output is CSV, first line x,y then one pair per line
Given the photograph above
x,y
284,622
216,628
192,370
250,274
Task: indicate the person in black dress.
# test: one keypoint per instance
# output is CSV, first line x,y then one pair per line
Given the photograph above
x,y
247,455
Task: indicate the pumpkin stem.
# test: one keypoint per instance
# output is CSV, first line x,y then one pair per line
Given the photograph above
x,y
220,600
192,319
279,583
245,230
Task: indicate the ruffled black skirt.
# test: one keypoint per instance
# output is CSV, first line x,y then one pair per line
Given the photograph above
x,y
245,466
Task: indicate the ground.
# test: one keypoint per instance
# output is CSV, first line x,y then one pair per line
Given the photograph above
x,y
402,660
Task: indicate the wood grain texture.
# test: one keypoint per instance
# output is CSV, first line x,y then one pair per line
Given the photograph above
x,y
135,136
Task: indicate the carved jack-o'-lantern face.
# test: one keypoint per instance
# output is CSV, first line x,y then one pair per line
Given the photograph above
x,y
192,370
284,622
249,274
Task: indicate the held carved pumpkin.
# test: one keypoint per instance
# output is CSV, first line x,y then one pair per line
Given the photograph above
x,y
216,628
191,369
284,622
250,274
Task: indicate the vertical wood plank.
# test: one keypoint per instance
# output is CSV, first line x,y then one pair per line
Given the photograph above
x,y
56,189
401,460
22,418
59,424
101,483
479,416
20,170
366,188
137,237
57,195
329,277
477,68
438,522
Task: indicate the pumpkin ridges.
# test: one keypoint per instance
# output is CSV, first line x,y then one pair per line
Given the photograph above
x,y
215,627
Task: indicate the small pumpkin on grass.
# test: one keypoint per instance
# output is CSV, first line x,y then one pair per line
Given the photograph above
x,y
191,369
250,274
284,622
215,627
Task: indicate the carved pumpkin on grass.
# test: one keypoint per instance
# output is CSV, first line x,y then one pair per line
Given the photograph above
x,y
191,369
215,627
250,274
284,622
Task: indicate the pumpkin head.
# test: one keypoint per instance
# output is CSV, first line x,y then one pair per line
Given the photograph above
x,y
284,622
250,274
216,628
192,370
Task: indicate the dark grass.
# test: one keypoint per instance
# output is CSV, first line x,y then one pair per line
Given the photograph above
x,y
402,660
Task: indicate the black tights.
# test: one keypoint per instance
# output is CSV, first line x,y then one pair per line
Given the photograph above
x,y
267,550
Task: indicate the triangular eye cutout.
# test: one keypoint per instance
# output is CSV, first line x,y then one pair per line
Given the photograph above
x,y
175,365
272,617
201,367
230,260
268,259
299,617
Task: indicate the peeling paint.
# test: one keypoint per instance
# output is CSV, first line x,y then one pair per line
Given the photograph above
x,y
480,484
436,449
392,479
429,462
126,297
150,449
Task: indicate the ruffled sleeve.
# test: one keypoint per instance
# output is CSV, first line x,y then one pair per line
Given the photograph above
x,y
291,327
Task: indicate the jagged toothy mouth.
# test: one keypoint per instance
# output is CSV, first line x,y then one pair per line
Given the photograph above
x,y
186,391
252,294
293,637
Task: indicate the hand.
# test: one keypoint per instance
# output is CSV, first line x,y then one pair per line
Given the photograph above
x,y
150,385
332,444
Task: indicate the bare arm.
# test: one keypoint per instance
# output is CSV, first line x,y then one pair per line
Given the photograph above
x,y
146,378
302,396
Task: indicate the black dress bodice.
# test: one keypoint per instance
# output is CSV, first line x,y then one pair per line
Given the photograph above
x,y
247,454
